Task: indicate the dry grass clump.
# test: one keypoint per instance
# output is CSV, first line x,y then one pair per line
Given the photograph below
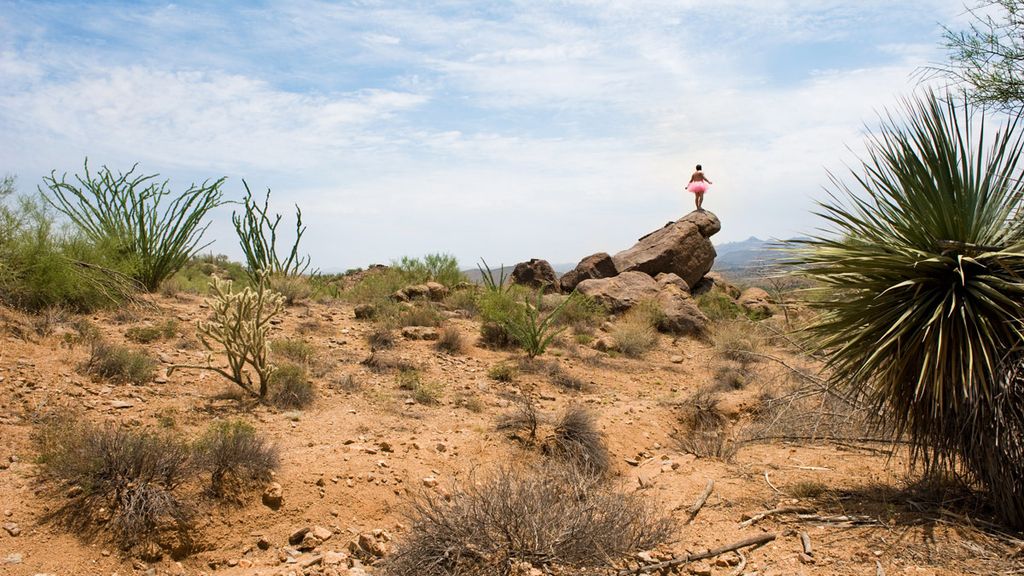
x,y
235,456
704,428
294,349
116,478
451,341
119,364
738,340
577,441
495,336
636,333
410,380
523,420
382,362
420,315
290,387
515,518
294,288
148,334
559,377
464,300
381,337
503,372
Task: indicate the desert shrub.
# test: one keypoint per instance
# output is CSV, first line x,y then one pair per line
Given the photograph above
x,y
704,427
578,442
423,392
408,378
582,312
451,341
381,362
124,212
195,276
494,335
738,340
148,334
420,315
290,387
514,517
381,336
635,333
718,306
442,268
471,402
257,235
377,287
234,455
503,372
41,268
297,350
730,375
524,419
806,489
921,296
347,383
559,377
293,288
239,325
522,320
122,479
464,300
119,364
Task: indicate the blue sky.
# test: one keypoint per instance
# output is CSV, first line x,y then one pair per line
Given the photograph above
x,y
505,130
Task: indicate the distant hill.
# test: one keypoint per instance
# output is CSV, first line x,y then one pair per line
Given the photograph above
x,y
744,257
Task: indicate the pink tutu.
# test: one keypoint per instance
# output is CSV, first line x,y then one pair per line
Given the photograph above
x,y
697,187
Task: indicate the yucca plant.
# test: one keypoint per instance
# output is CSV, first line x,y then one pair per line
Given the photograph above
x,y
491,283
529,328
124,212
921,275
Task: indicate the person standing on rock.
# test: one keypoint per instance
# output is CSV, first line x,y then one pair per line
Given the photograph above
x,y
698,185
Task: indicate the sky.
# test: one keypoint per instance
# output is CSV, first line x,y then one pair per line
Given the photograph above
x,y
503,130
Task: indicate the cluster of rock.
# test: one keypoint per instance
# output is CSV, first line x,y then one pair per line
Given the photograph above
x,y
664,267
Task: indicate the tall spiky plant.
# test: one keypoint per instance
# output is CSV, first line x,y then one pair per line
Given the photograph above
x,y
922,288
257,235
127,213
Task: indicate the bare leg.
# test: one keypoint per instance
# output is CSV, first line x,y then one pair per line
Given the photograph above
x,y
699,200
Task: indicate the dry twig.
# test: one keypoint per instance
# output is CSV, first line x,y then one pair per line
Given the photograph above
x,y
695,509
755,541
774,511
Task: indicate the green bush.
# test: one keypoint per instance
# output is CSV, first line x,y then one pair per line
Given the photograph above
x,y
41,268
442,268
503,372
124,212
582,312
718,306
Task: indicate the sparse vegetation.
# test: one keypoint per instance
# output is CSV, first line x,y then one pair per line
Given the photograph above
x,y
118,479
636,333
451,341
704,427
718,306
119,364
523,321
503,372
234,455
148,334
290,387
577,440
381,337
257,235
582,312
548,516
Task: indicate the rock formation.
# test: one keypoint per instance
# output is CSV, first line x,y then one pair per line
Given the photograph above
x,y
681,247
535,273
598,265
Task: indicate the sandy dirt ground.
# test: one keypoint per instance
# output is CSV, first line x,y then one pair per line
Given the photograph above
x,y
351,460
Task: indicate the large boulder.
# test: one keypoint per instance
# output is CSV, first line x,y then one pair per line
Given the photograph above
x,y
757,302
535,273
598,265
681,247
680,314
621,292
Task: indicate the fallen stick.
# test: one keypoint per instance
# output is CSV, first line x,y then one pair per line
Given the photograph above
x,y
770,485
838,519
762,515
742,564
760,540
805,541
879,571
701,500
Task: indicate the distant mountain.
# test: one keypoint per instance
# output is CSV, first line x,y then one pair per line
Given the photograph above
x,y
745,255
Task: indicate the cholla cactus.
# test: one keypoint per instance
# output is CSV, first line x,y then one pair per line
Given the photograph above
x,y
240,324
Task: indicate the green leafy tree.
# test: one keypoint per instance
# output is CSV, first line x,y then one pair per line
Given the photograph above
x,y
922,290
988,57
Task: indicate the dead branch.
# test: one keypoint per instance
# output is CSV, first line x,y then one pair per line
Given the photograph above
x,y
773,512
844,519
805,541
755,541
742,565
695,509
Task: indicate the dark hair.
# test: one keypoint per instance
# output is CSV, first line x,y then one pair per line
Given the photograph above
x,y
698,167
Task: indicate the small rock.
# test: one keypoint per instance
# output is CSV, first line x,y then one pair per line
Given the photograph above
x,y
676,359
297,536
120,404
368,543
273,496
160,380
14,558
806,559
420,333
321,533
430,481
12,528
365,312
700,568
263,543
334,558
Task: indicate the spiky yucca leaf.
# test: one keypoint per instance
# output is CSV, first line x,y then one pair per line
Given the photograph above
x,y
921,291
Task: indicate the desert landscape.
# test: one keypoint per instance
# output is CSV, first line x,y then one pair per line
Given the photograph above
x,y
717,429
